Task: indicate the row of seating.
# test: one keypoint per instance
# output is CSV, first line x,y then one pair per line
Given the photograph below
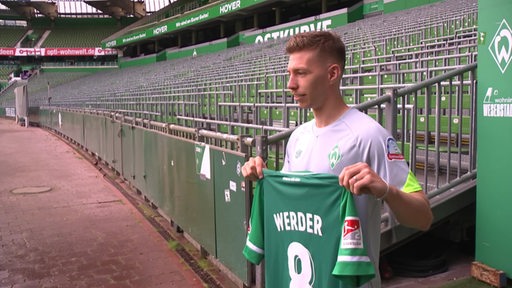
x,y
11,35
172,10
62,34
242,90
6,70
39,87
78,36
244,85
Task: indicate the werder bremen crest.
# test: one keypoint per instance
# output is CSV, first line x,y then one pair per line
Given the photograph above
x,y
300,148
334,156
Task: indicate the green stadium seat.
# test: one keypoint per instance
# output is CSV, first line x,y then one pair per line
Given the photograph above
x,y
277,114
460,122
293,115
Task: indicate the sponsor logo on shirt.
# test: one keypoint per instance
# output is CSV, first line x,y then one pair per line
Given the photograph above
x,y
352,236
393,151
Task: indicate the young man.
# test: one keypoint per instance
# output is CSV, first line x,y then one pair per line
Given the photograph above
x,y
346,142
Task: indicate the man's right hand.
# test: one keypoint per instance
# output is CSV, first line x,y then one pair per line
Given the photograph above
x,y
253,168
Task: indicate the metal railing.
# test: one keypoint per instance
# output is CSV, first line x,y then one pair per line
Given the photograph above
x,y
441,150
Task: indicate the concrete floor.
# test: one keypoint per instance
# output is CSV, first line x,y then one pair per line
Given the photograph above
x,y
81,232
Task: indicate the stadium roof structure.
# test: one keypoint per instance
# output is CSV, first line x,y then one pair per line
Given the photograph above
x,y
52,9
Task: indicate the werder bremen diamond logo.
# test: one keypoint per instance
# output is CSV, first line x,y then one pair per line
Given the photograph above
x,y
334,157
501,46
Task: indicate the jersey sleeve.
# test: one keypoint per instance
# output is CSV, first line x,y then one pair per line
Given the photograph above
x,y
353,266
254,245
411,184
388,161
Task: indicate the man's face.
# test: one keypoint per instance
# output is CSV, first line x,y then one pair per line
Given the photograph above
x,y
308,79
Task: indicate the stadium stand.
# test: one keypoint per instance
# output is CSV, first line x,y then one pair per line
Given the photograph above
x,y
6,70
255,78
242,90
11,35
172,10
38,84
77,33
32,38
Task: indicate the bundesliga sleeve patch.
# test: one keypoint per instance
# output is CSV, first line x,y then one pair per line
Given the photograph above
x,y
393,152
352,236
353,265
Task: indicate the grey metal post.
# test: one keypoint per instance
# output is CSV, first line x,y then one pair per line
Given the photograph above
x,y
390,112
244,148
262,146
262,151
199,137
49,99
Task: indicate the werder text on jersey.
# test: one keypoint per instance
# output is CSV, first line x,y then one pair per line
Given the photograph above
x,y
298,221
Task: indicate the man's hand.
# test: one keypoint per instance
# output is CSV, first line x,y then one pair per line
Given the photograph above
x,y
253,168
410,209
360,179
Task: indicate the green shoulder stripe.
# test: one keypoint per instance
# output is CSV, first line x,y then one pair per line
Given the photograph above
x,y
412,184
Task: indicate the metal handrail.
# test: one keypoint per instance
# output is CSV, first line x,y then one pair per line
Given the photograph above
x,y
387,98
436,79
390,100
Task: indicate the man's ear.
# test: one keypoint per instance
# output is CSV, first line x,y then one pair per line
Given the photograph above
x,y
334,72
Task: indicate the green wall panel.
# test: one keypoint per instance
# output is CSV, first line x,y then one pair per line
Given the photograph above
x,y
355,13
78,127
325,21
102,135
58,121
494,138
398,5
71,124
194,197
168,178
93,133
53,121
144,60
69,69
109,155
154,151
45,117
373,7
34,114
138,153
198,50
230,209
128,162
117,138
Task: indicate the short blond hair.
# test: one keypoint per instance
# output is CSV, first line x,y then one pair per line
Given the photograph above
x,y
325,42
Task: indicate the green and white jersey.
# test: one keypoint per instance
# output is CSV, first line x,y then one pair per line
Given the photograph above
x,y
354,137
307,228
